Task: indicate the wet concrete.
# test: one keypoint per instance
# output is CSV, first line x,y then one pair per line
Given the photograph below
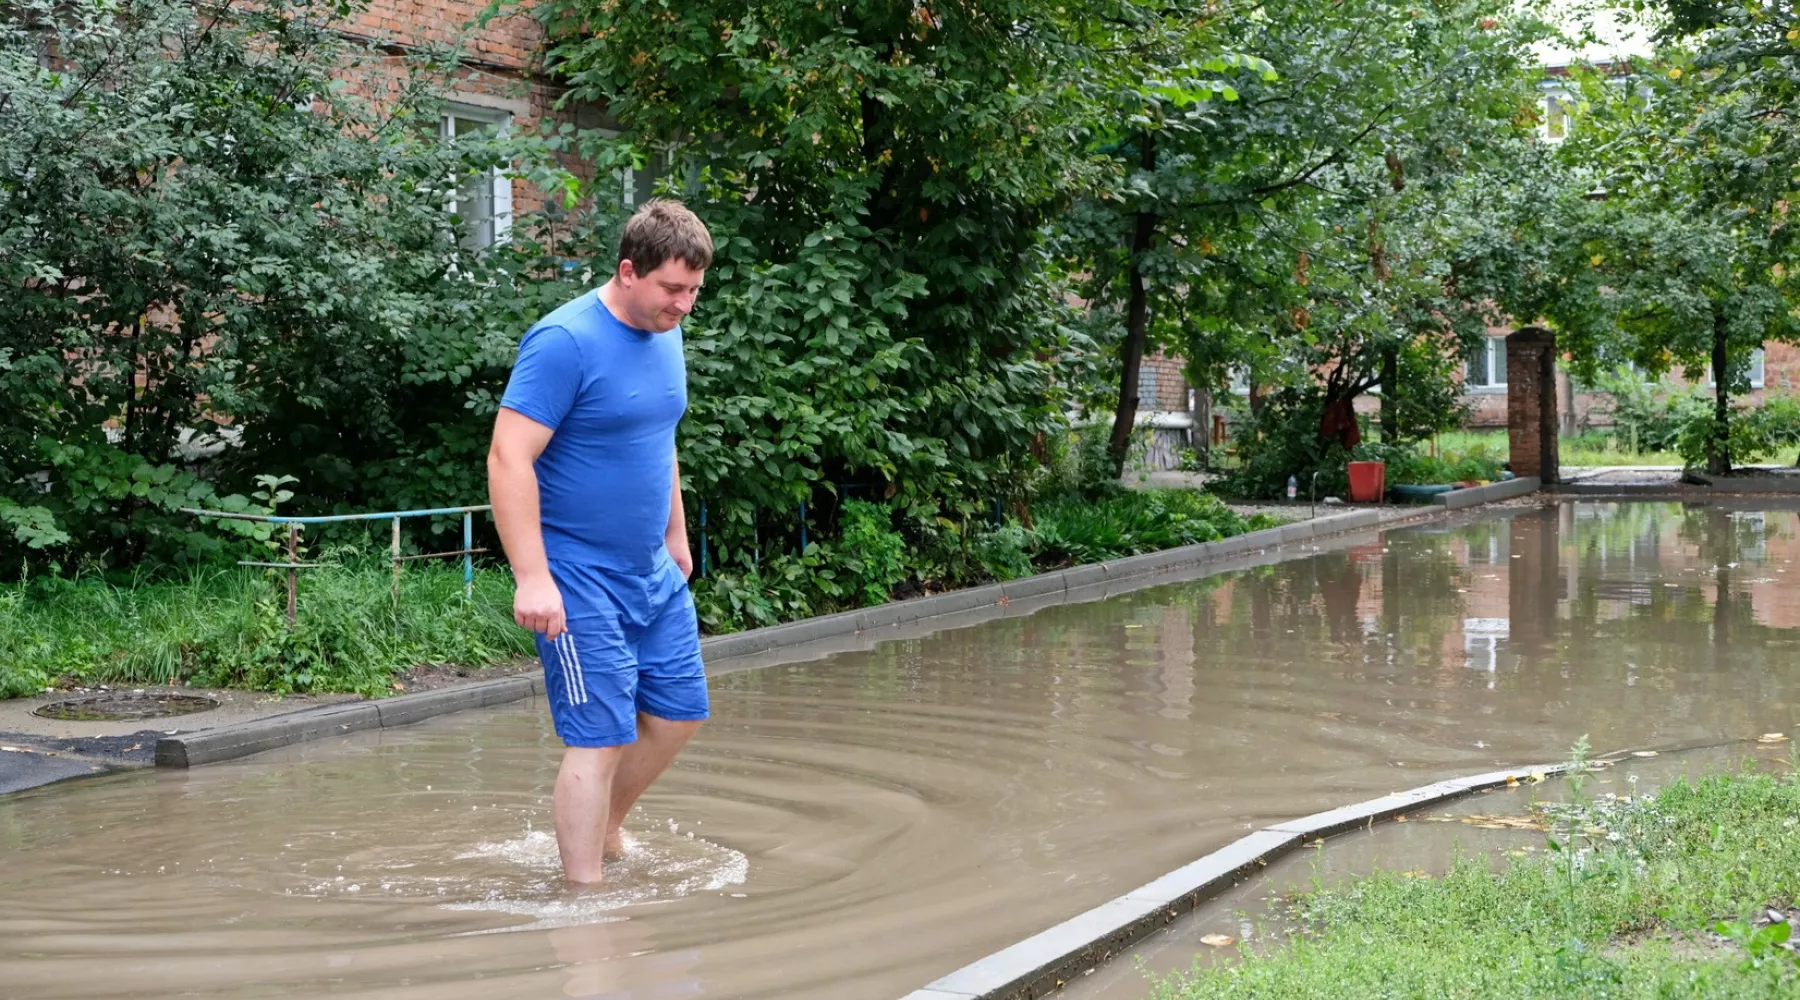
x,y
48,748
866,822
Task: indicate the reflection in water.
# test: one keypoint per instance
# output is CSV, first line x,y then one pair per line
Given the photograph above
x,y
866,822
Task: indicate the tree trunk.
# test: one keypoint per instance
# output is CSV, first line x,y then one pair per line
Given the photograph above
x,y
1718,443
1137,322
1390,395
1202,434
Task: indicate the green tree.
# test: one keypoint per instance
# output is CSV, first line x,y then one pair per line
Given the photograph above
x,y
215,222
876,175
1685,265
1301,227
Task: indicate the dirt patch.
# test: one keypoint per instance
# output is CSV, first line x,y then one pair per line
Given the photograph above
x,y
437,676
1708,945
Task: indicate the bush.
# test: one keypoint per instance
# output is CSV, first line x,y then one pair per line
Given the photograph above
x,y
1004,553
1282,440
220,233
1650,416
782,588
1409,465
1754,432
1071,531
872,552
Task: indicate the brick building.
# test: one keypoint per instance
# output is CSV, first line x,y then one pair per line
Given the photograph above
x,y
495,87
1776,368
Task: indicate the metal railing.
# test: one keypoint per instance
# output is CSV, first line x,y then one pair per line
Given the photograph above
x,y
295,524
293,565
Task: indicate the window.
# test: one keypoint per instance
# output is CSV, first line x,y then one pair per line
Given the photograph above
x,y
1556,116
1240,380
640,185
1487,365
483,200
1146,387
1757,370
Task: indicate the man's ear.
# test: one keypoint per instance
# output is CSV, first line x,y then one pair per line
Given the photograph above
x,y
627,270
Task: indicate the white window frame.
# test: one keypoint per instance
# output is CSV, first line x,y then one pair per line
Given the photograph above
x,y
1239,384
1496,378
1759,371
500,193
1556,118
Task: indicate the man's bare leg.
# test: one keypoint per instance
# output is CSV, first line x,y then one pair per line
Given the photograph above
x,y
584,790
659,740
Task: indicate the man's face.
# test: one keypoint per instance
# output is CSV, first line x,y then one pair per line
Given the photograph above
x,y
658,301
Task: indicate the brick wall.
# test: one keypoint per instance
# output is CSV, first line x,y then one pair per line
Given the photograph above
x,y
1161,385
498,61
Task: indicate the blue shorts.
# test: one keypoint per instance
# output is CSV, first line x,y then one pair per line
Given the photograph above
x,y
632,645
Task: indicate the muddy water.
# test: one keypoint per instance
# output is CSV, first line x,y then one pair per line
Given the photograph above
x,y
856,826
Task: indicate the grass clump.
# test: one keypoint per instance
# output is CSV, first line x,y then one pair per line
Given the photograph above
x,y
1667,897
1072,531
228,628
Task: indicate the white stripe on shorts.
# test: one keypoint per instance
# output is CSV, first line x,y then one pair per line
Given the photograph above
x,y
580,679
564,661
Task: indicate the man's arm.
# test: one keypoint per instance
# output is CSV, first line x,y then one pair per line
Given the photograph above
x,y
675,538
513,490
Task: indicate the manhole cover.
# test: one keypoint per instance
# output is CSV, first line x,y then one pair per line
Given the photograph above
x,y
126,705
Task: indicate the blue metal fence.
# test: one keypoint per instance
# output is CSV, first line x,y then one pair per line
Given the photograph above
x,y
294,524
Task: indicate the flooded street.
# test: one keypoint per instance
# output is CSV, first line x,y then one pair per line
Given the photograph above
x,y
856,826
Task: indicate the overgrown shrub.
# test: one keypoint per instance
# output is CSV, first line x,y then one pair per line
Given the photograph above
x,y
781,588
1072,531
200,226
872,552
1004,553
1648,415
1755,432
1410,464
1282,440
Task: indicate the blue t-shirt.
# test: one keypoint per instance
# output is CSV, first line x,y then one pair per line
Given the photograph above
x,y
613,395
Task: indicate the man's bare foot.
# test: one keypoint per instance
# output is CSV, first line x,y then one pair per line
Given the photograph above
x,y
615,846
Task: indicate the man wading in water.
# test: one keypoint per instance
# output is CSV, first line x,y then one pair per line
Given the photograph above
x,y
587,499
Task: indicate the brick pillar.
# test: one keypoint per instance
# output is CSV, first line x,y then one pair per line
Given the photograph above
x,y
1531,403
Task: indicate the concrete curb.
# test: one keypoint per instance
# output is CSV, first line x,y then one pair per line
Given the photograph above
x,y
1458,499
1039,965
1676,490
211,746
1746,484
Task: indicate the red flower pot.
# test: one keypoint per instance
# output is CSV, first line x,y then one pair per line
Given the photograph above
x,y
1368,481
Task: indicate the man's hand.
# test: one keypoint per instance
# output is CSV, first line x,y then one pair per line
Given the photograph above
x,y
538,606
679,551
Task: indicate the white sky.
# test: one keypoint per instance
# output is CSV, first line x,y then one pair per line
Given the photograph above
x,y
1615,35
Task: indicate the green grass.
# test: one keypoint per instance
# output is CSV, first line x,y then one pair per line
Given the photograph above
x,y
228,628
1591,448
1631,903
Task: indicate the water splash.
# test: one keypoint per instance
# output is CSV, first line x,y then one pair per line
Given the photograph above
x,y
656,868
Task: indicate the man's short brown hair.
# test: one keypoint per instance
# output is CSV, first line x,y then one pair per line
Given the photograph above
x,y
664,230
